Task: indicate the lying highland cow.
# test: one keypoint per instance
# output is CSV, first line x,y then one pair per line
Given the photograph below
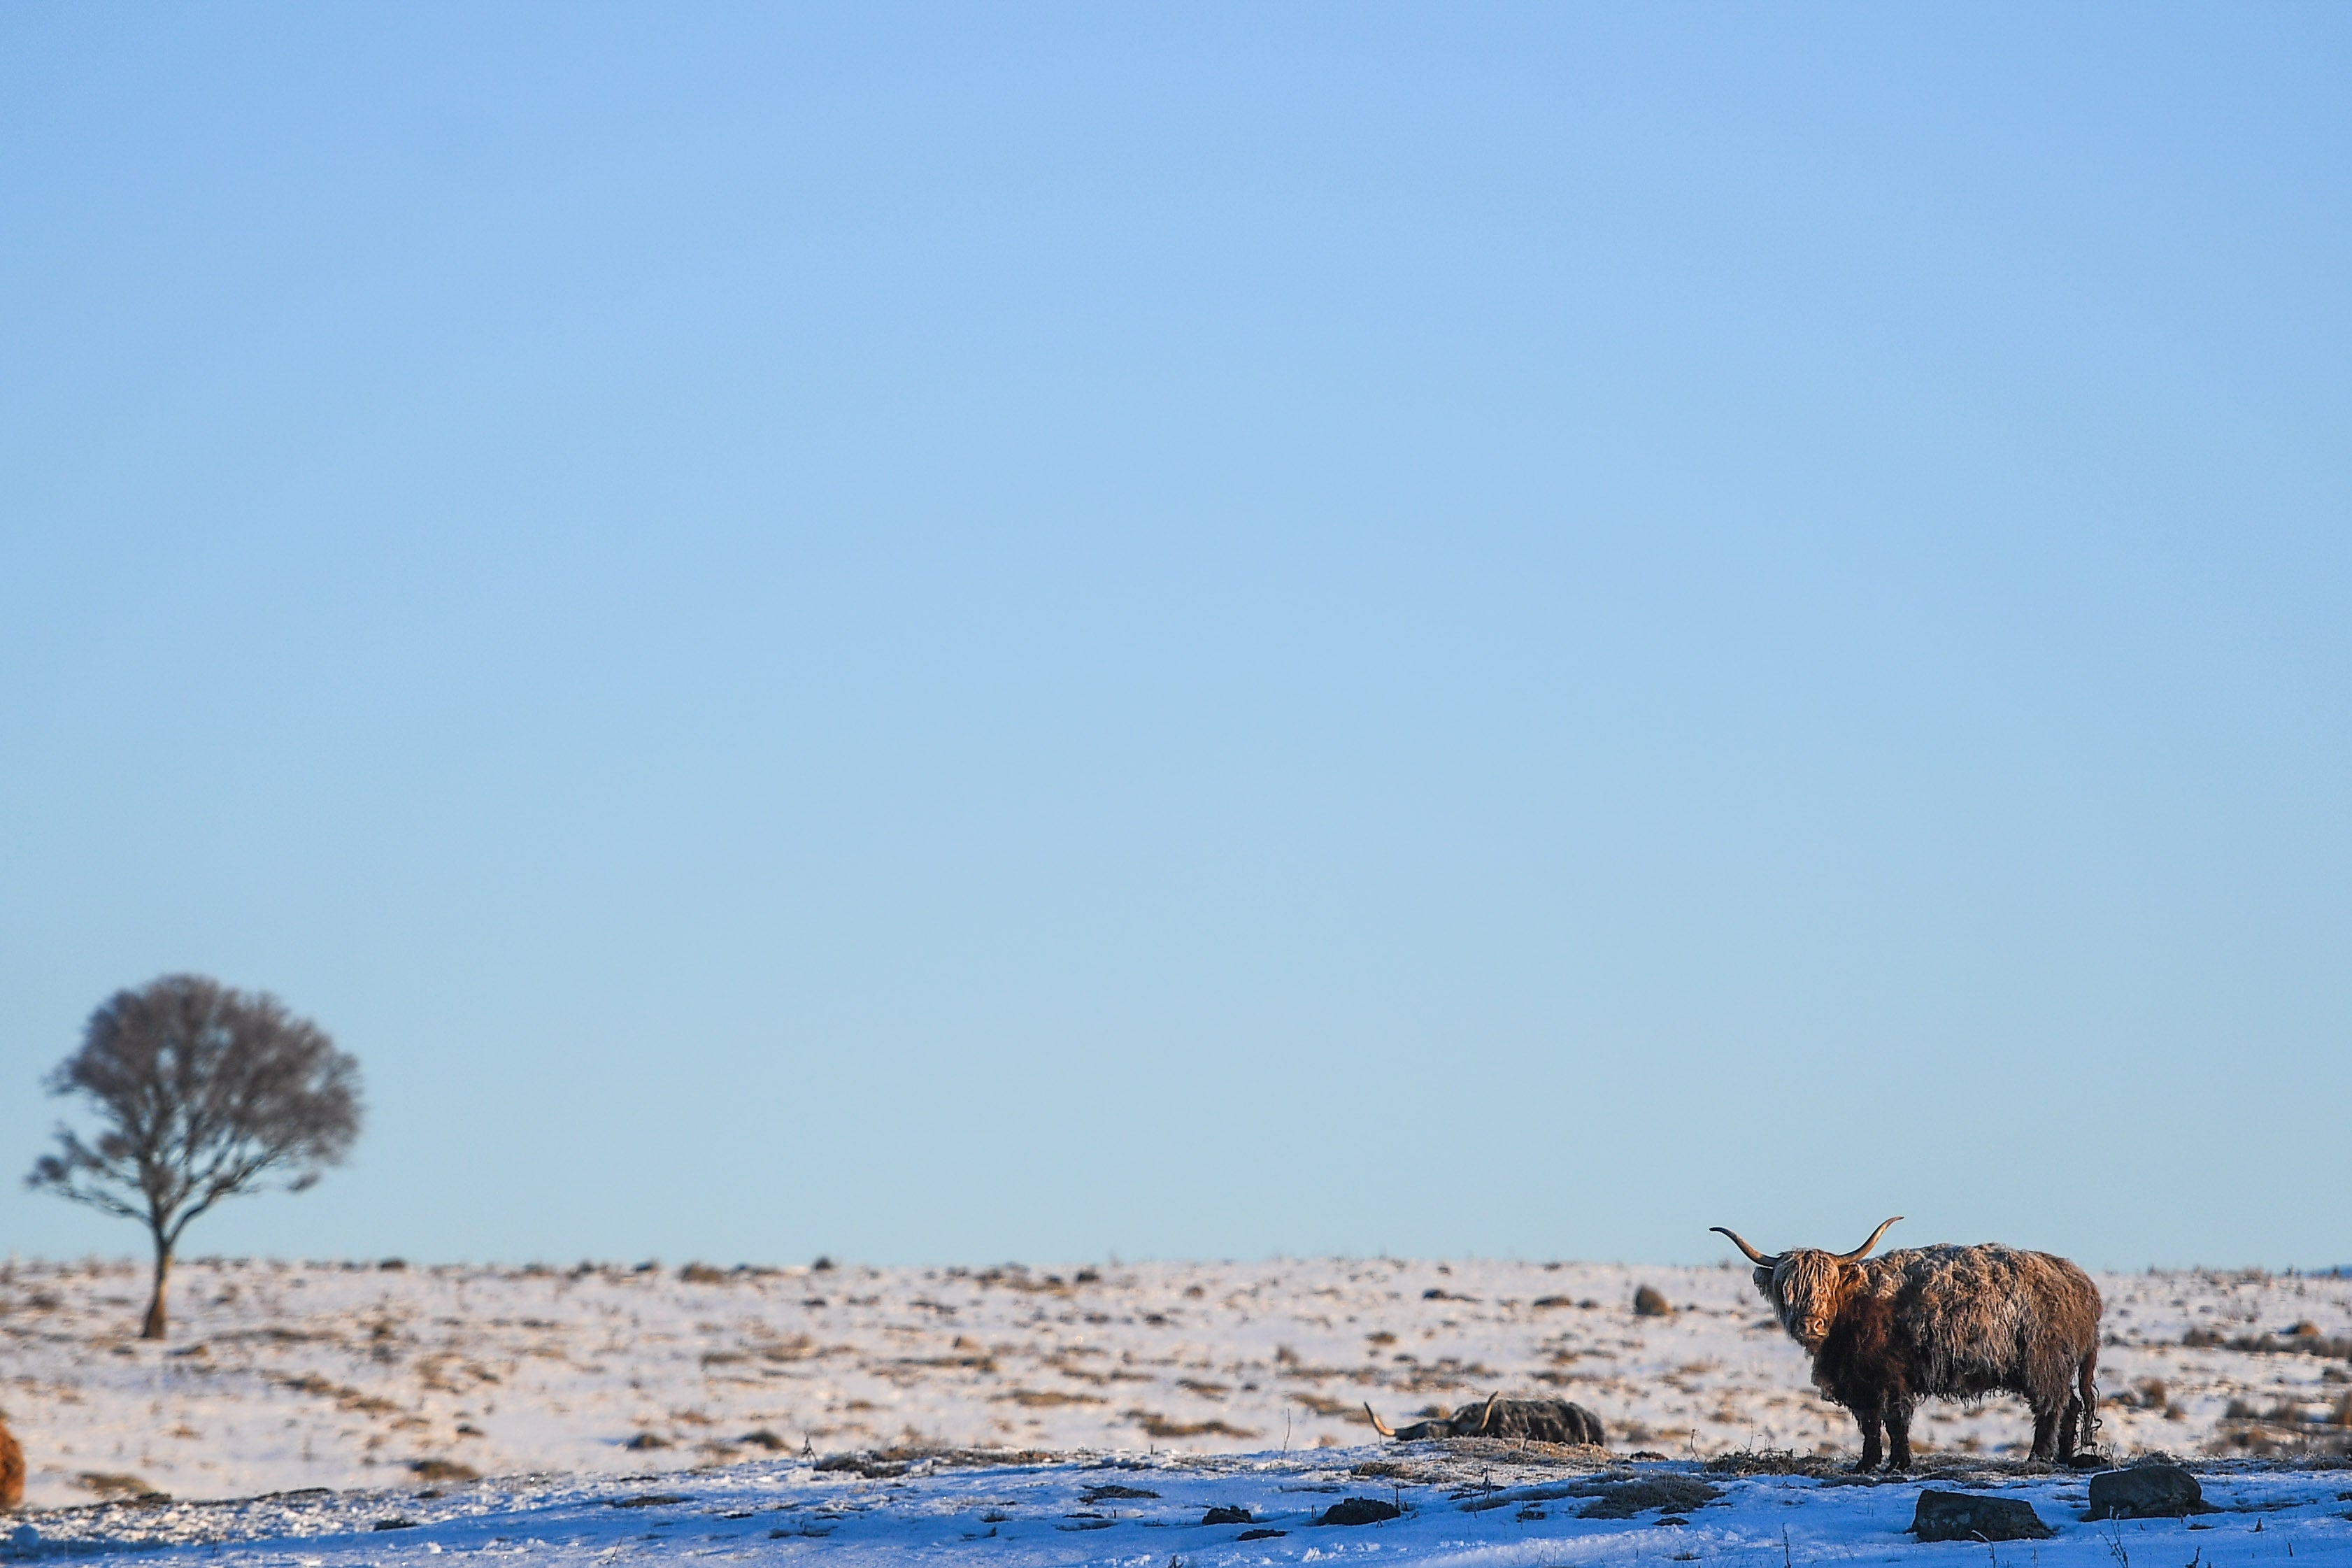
x,y
1943,1322
1541,1420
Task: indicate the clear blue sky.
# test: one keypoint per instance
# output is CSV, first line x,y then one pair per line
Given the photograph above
x,y
944,634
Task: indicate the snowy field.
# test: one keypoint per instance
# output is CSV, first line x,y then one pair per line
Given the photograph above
x,y
1233,1385
1470,1503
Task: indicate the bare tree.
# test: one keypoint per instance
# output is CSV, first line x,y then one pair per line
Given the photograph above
x,y
203,1093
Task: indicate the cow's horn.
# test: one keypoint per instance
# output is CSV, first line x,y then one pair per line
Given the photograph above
x,y
1864,1250
1739,1241
1382,1428
1488,1413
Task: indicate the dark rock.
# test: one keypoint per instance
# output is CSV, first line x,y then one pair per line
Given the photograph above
x,y
394,1525
2147,1492
1261,1534
763,1438
1227,1516
1113,1489
1649,1302
1968,1516
647,1440
1358,1511
650,1500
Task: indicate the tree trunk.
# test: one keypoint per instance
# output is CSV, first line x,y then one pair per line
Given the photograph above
x,y
155,1321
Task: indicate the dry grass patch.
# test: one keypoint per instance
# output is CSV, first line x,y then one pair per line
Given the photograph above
x,y
1770,1462
1155,1425
431,1470
1623,1499
115,1485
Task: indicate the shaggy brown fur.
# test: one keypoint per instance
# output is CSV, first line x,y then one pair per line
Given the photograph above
x,y
1540,1420
1544,1421
1943,1322
12,1472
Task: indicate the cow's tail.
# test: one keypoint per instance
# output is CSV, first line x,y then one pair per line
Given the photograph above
x,y
2078,1427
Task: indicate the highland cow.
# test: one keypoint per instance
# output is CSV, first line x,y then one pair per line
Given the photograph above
x,y
1940,1322
1540,1420
12,1472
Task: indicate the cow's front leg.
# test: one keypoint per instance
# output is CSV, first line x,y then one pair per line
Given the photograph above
x,y
2045,1434
1898,1433
1867,1419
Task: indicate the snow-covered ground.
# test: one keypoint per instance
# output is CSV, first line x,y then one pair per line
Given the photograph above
x,y
727,1386
1469,1503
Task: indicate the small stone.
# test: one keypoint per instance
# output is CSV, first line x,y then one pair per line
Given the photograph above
x,y
1358,1511
1650,1302
1227,1516
2147,1492
1968,1515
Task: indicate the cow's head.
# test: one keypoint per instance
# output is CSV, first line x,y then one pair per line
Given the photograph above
x,y
1807,1285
